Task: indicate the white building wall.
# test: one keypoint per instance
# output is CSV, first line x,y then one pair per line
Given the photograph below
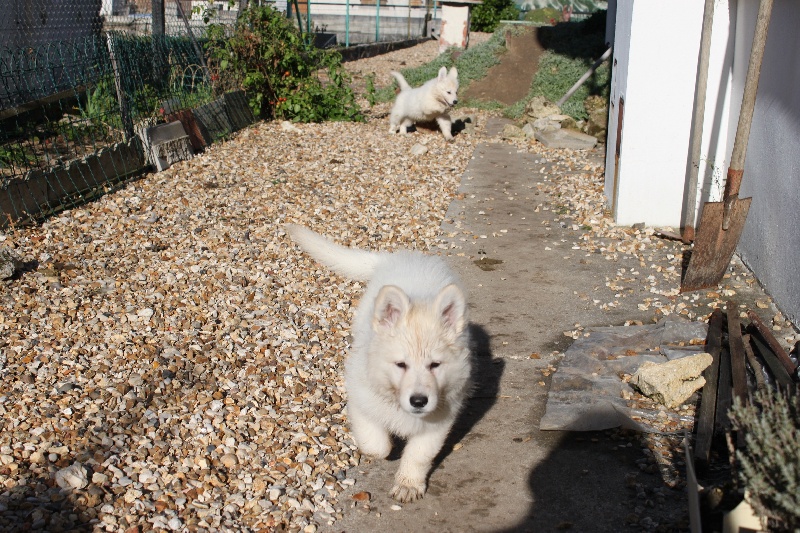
x,y
656,45
770,243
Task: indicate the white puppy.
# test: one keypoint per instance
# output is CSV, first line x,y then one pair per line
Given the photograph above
x,y
408,371
429,102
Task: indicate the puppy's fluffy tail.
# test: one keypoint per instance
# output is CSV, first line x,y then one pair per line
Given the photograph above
x,y
401,81
351,262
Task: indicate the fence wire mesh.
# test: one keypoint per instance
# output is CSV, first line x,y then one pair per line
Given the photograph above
x,y
81,81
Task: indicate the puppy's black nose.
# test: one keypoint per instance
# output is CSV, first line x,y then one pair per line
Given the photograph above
x,y
418,401
455,101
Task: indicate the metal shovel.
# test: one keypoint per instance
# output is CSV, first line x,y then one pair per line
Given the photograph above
x,y
721,223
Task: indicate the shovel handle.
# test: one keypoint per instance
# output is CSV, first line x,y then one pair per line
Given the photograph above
x,y
750,88
736,168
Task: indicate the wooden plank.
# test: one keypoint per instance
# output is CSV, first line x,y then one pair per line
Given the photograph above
x,y
773,344
708,402
722,423
736,348
775,367
758,371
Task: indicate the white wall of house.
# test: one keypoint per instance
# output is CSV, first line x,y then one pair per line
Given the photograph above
x,y
651,95
770,243
656,45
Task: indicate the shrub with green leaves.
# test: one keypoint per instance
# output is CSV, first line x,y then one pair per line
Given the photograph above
x,y
283,74
770,462
487,16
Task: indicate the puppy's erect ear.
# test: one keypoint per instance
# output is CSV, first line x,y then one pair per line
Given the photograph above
x,y
391,305
453,74
442,73
451,307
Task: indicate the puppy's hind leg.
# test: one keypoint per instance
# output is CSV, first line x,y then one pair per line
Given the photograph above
x,y
411,478
371,438
407,123
446,125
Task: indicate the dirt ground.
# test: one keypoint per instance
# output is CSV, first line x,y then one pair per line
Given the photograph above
x,y
509,81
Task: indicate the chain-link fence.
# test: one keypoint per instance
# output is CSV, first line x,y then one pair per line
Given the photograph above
x,y
81,81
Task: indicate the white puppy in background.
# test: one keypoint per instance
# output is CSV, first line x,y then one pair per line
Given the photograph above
x,y
429,102
408,371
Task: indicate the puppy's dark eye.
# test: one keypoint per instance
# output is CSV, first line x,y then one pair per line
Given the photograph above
x,y
434,365
401,364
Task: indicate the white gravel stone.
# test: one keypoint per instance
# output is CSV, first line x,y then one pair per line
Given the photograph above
x,y
72,477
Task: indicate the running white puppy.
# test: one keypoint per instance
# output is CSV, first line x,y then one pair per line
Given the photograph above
x,y
408,371
429,102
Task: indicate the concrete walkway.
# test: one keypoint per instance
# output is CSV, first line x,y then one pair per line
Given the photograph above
x,y
499,472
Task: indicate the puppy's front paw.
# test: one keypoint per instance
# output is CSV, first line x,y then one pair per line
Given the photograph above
x,y
407,491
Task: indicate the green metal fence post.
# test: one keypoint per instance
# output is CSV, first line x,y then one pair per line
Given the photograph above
x,y
347,23
124,109
378,21
160,67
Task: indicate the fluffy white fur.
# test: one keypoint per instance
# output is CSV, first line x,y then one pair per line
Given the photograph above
x,y
426,103
408,370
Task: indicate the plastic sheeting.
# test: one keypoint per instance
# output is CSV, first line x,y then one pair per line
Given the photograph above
x,y
588,392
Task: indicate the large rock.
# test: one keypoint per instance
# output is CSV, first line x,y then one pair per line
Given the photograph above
x,y
10,262
563,138
597,125
673,382
511,131
72,477
540,107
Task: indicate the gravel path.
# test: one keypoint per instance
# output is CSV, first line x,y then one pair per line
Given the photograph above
x,y
175,361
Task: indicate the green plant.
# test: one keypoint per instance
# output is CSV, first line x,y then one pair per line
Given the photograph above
x,y
770,462
487,16
370,89
11,156
556,75
285,76
102,99
572,48
544,15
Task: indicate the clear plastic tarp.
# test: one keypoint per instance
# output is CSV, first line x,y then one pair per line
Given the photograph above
x,y
589,391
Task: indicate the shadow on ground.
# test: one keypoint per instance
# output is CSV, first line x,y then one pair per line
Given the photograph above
x,y
486,375
577,487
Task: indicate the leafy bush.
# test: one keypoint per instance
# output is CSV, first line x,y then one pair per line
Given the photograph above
x,y
487,16
283,74
770,462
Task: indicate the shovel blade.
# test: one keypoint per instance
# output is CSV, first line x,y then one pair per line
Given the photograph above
x,y
714,246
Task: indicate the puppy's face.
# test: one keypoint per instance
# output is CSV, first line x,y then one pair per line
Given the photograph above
x,y
418,347
447,85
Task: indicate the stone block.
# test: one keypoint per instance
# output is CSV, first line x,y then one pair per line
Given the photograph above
x,y
673,382
563,138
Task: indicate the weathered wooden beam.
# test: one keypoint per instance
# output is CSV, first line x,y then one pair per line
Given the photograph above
x,y
773,344
773,363
708,402
722,423
736,349
758,370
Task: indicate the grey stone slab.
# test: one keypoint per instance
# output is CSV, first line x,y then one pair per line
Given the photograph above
x,y
573,140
